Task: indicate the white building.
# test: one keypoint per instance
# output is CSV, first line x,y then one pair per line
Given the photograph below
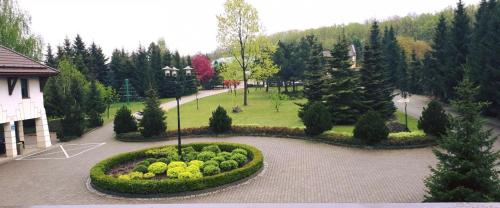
x,y
21,98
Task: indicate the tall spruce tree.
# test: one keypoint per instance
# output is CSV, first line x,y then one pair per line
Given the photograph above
x,y
153,120
80,56
97,64
415,74
342,86
429,82
157,73
377,88
439,59
94,105
467,169
458,48
311,52
176,60
392,56
50,60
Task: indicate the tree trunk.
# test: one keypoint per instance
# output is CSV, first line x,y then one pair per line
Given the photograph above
x,y
267,85
286,86
294,89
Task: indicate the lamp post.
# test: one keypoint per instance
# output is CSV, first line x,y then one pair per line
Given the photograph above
x,y
172,72
405,100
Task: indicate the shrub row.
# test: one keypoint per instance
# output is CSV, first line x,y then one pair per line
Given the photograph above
x,y
110,184
396,140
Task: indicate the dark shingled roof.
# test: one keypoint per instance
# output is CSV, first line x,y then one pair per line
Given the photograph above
x,y
15,64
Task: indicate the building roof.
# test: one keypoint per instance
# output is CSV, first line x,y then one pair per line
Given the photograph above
x,y
13,63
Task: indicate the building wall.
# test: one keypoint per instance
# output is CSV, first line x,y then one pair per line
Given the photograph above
x,y
14,107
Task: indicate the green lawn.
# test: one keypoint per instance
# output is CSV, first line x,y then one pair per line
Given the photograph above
x,y
259,112
133,106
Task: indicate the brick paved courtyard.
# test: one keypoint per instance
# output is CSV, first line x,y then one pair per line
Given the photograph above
x,y
297,171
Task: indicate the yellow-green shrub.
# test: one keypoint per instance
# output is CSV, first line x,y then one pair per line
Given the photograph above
x,y
174,172
157,167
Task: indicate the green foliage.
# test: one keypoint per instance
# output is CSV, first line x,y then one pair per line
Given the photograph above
x,y
141,168
165,152
211,163
136,175
220,122
124,122
377,87
148,175
240,158
211,170
371,128
226,155
277,100
467,168
228,165
197,163
177,164
310,51
434,119
153,120
239,151
211,148
219,159
95,106
73,124
342,89
206,156
16,30
157,168
164,160
174,172
316,118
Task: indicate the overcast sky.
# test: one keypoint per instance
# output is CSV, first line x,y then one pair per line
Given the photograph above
x,y
190,26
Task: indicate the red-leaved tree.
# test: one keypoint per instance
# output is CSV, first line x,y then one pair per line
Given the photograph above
x,y
203,68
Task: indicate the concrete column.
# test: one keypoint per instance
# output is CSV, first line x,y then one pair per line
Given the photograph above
x,y
10,139
42,131
20,128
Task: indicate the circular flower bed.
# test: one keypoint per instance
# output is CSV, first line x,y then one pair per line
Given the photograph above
x,y
158,170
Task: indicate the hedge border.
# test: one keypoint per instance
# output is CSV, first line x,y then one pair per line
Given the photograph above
x,y
344,140
170,187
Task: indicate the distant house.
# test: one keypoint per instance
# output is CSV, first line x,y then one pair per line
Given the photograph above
x,y
352,54
21,98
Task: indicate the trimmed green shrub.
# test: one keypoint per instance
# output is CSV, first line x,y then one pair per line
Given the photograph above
x,y
165,152
240,158
193,169
211,162
150,160
228,165
219,159
135,175
220,122
433,120
157,168
174,172
185,175
211,148
197,163
125,177
206,156
190,156
164,160
141,168
316,118
103,181
148,175
145,163
153,119
239,151
226,155
124,122
186,150
177,164
371,128
211,170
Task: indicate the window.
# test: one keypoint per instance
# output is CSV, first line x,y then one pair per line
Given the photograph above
x,y
24,88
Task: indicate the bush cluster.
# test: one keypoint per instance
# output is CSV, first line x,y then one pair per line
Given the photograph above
x,y
371,128
220,122
316,118
434,120
180,176
124,122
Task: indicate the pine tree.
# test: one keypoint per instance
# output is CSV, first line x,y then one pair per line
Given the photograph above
x,y
153,120
439,59
157,74
430,80
94,106
415,74
377,89
73,123
67,50
458,48
466,171
80,56
311,51
50,60
392,56
342,86
176,60
97,64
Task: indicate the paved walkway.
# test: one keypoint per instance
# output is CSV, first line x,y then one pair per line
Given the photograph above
x,y
297,171
418,102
